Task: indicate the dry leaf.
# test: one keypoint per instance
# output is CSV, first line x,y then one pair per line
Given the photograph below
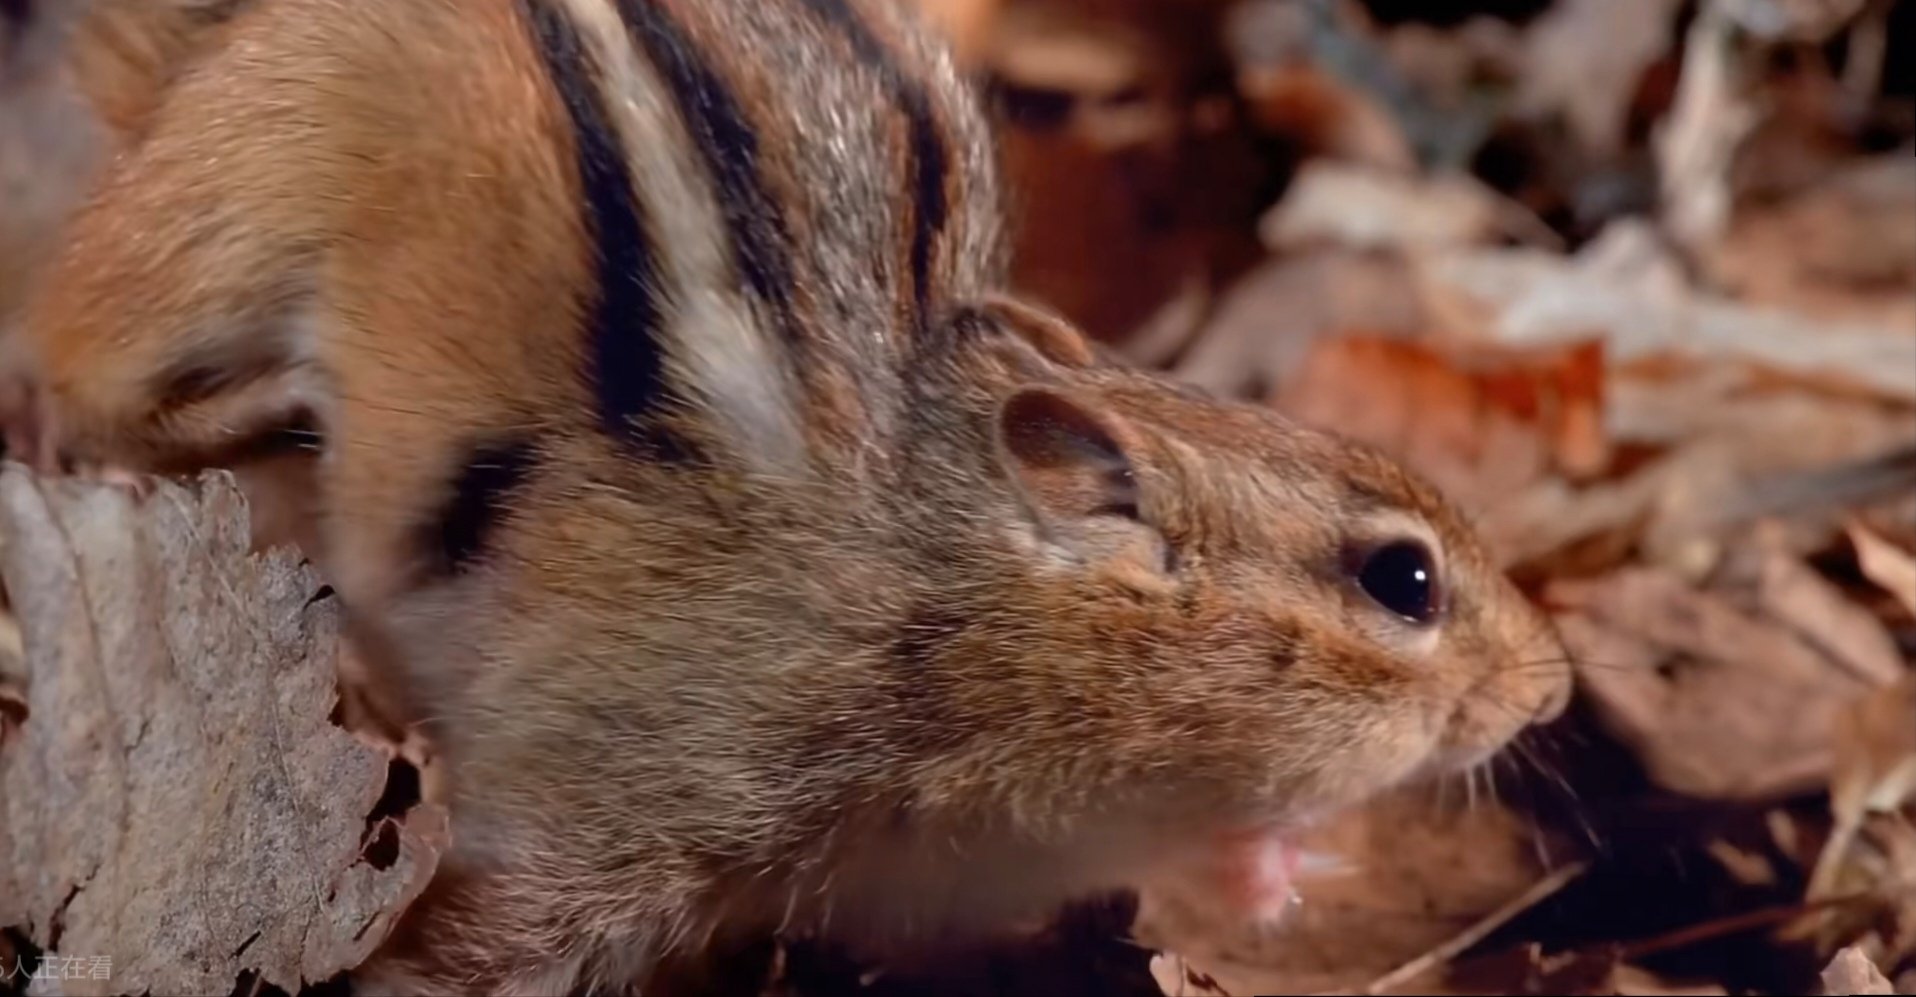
x,y
1715,702
1770,421
1890,567
1739,450
1367,209
1875,773
1595,972
1271,318
1554,529
1299,74
1876,751
1178,978
1850,635
1697,144
1482,421
1626,288
1592,86
1324,116
1094,245
1851,972
1748,868
1630,981
1812,21
1843,250
177,801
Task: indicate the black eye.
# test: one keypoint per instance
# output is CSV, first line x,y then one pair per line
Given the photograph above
x,y
1400,577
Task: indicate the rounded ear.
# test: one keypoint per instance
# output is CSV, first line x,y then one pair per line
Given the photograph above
x,y
1072,467
1066,458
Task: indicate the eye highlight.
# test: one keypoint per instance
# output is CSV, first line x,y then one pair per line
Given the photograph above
x,y
1401,576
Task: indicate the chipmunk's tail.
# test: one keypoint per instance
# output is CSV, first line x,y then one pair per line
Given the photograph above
x,y
125,54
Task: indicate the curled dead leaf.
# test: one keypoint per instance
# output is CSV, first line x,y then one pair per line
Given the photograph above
x,y
177,802
1890,567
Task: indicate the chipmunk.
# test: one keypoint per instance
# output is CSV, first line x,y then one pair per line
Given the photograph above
x,y
752,560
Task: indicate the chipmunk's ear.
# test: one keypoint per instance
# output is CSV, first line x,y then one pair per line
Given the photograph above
x,y
1074,470
126,54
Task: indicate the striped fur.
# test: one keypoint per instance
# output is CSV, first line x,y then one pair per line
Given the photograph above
x,y
751,562
740,173
787,337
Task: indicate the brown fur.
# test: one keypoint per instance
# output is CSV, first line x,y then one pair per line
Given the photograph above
x,y
127,52
1011,626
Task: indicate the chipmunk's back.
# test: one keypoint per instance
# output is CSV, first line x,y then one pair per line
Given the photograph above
x,y
781,193
699,232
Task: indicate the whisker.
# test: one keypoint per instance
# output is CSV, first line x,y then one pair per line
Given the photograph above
x,y
1570,660
1542,766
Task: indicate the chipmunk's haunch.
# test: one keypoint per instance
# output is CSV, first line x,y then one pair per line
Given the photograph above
x,y
751,562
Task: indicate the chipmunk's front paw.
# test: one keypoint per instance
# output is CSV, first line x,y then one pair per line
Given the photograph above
x,y
1225,901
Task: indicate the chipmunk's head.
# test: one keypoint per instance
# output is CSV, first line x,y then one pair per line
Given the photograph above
x,y
1238,622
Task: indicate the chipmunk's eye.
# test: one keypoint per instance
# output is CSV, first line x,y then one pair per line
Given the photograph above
x,y
1401,577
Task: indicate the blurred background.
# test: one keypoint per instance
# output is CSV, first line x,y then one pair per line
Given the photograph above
x,y
1636,281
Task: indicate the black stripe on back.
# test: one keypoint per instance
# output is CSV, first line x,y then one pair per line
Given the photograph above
x,y
626,357
929,157
728,144
460,532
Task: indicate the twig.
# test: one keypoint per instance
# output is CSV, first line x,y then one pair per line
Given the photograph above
x,y
1483,929
1845,485
1736,924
